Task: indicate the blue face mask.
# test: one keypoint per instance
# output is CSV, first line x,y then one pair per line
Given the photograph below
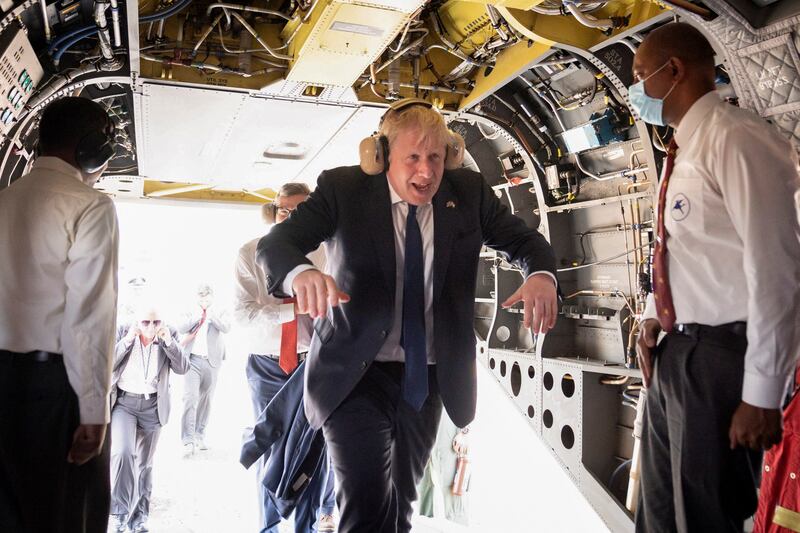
x,y
648,108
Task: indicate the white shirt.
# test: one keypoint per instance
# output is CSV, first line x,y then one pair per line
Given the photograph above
x,y
140,375
200,345
258,313
58,277
732,245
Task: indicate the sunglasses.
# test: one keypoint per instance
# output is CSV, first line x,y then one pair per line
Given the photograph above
x,y
146,323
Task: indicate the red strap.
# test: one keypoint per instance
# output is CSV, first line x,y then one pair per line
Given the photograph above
x,y
288,355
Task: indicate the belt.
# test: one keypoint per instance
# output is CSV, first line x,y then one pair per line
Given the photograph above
x,y
300,356
121,393
38,356
697,331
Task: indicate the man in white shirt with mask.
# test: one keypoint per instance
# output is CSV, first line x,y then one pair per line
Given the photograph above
x,y
58,300
146,353
726,274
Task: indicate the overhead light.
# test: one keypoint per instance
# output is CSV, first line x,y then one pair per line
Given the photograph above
x,y
285,150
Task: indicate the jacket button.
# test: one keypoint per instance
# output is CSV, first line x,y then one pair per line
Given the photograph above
x,y
277,433
384,333
364,365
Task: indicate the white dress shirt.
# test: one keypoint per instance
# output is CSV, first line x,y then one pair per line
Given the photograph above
x,y
200,345
732,245
258,313
58,277
140,375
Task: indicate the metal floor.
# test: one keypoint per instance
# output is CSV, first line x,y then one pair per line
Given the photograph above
x,y
516,485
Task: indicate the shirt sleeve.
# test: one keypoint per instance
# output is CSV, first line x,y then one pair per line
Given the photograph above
x,y
87,332
289,279
548,274
650,308
248,309
757,174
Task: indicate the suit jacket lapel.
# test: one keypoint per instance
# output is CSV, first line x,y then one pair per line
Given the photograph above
x,y
379,217
445,221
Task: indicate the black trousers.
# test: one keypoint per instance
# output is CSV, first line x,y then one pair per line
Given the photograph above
x,y
691,480
39,490
379,446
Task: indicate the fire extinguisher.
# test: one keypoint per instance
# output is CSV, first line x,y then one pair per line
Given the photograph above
x,y
461,479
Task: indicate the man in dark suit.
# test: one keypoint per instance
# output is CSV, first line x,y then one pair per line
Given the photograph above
x,y
146,353
394,339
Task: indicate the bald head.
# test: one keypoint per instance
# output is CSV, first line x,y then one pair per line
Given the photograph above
x,y
681,41
676,62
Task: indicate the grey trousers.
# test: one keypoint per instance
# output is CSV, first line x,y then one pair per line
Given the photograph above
x,y
691,480
200,382
134,434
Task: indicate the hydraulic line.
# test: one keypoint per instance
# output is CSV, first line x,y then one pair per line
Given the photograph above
x,y
249,9
258,38
166,13
602,261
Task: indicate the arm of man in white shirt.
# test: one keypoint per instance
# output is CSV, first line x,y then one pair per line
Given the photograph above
x,y
248,311
758,181
87,333
87,330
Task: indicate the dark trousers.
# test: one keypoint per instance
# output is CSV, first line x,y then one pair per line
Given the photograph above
x,y
691,480
39,490
265,379
134,434
199,384
379,446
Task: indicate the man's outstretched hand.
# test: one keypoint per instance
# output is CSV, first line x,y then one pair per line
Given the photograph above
x,y
540,302
315,292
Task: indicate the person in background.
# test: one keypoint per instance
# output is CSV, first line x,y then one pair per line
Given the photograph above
x,y
726,289
271,324
58,303
147,352
440,473
203,328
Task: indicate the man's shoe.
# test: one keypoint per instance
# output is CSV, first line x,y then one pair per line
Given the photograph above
x,y
188,450
201,443
117,523
140,528
326,523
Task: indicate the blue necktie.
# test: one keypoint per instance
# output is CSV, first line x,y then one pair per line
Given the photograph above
x,y
415,388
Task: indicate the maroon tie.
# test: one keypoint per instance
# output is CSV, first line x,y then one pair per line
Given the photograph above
x,y
288,356
661,290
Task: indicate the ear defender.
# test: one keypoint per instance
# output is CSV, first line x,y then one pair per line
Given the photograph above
x,y
373,151
455,152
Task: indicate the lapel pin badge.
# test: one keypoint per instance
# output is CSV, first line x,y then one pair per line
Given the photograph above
x,y
450,204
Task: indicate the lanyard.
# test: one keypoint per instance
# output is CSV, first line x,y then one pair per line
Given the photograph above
x,y
146,367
